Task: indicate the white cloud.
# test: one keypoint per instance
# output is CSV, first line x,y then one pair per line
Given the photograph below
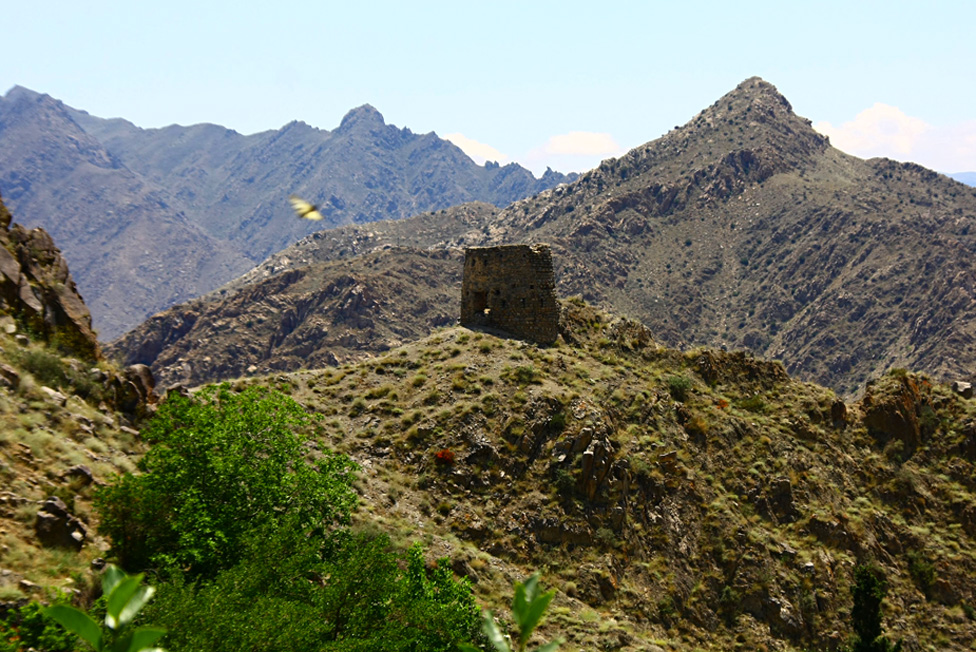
x,y
885,130
479,152
576,151
581,143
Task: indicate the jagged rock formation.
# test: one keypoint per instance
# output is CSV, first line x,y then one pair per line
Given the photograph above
x,y
132,249
36,286
152,217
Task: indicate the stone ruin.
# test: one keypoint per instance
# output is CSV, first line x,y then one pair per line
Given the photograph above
x,y
511,288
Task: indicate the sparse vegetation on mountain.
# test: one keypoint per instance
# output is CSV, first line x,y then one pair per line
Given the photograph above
x,y
675,499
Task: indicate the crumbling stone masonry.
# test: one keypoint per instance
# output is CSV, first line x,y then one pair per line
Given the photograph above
x,y
511,288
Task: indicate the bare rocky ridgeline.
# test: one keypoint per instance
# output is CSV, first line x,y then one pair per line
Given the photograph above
x,y
742,229
152,217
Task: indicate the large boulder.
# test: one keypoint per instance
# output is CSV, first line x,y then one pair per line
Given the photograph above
x,y
56,527
893,409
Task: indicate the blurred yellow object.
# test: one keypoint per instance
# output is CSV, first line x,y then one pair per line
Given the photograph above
x,y
304,209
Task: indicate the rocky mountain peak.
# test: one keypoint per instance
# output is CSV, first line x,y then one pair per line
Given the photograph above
x,y
364,117
20,93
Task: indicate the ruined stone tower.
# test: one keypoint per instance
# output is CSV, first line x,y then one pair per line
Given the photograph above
x,y
511,288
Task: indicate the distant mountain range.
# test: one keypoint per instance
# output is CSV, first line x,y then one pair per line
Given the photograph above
x,y
151,217
969,178
743,228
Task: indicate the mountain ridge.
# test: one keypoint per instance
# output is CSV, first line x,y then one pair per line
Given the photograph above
x,y
744,229
674,500
171,213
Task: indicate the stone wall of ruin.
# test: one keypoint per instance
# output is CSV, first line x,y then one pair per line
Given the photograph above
x,y
512,289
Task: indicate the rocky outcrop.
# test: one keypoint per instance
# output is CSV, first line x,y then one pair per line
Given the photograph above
x,y
36,287
893,410
55,526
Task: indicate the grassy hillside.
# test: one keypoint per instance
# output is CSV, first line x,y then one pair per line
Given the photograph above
x,y
676,500
680,499
60,436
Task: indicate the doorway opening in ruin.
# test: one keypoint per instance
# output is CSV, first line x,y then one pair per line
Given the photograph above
x,y
480,302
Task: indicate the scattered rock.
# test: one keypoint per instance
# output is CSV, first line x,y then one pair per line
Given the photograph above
x,y
838,413
9,377
82,473
55,526
780,496
944,592
27,586
55,396
892,409
962,388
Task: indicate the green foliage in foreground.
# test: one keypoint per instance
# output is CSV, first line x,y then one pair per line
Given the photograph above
x,y
528,607
125,596
248,535
291,594
26,628
220,462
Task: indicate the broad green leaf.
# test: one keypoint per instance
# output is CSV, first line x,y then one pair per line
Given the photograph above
x,y
77,622
490,629
143,637
550,647
122,643
532,614
519,603
531,587
119,598
464,647
135,604
137,640
113,575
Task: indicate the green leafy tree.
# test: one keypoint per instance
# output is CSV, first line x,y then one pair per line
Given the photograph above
x,y
292,593
220,463
125,596
528,607
869,590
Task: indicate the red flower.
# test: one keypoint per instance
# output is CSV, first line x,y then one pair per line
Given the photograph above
x,y
444,456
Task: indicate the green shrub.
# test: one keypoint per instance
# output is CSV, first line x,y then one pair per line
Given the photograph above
x,y
922,571
362,596
678,387
49,369
868,591
219,463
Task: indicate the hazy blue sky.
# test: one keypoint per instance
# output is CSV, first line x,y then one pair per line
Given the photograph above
x,y
563,84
